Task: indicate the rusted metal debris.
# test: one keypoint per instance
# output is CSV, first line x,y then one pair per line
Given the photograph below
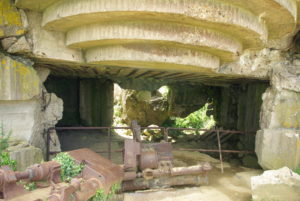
x,y
9,187
78,190
98,173
164,182
95,166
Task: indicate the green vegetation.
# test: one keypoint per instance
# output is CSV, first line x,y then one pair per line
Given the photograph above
x,y
69,169
297,170
4,138
4,155
5,160
101,196
198,119
30,186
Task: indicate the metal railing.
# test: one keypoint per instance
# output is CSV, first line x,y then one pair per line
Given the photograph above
x,y
226,134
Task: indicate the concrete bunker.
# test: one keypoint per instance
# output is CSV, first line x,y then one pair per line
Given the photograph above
x,y
241,57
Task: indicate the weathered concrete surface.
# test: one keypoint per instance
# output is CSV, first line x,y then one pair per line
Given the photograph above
x,y
18,116
258,64
24,154
173,34
10,20
21,46
279,185
29,120
276,148
189,37
286,74
7,42
205,10
26,109
49,45
153,57
18,81
38,5
49,112
280,109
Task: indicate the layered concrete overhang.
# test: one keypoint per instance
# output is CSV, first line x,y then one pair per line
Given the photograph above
x,y
184,39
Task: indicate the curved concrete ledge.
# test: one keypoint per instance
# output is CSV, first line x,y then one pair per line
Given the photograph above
x,y
153,57
67,14
279,15
37,5
289,5
152,32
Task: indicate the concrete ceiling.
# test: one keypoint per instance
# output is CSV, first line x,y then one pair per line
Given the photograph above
x,y
180,38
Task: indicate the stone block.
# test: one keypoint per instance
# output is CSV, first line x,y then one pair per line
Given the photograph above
x,y
280,109
24,154
276,185
19,118
7,42
276,148
21,46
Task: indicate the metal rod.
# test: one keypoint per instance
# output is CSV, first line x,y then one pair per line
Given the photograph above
x,y
216,151
48,145
220,152
109,144
165,134
152,128
112,151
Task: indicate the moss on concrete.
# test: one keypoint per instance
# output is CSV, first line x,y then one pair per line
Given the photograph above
x,y
10,20
17,80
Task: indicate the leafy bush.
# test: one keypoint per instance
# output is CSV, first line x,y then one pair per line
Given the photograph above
x,y
6,161
101,196
30,186
69,169
198,119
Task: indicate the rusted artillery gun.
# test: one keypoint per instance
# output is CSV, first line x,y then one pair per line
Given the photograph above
x,y
150,165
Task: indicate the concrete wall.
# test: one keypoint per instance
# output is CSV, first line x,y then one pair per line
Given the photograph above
x,y
26,109
88,102
96,102
68,90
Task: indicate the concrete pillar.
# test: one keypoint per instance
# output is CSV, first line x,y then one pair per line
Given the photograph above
x,y
278,141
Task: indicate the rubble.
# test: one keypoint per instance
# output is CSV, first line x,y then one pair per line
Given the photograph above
x,y
280,185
